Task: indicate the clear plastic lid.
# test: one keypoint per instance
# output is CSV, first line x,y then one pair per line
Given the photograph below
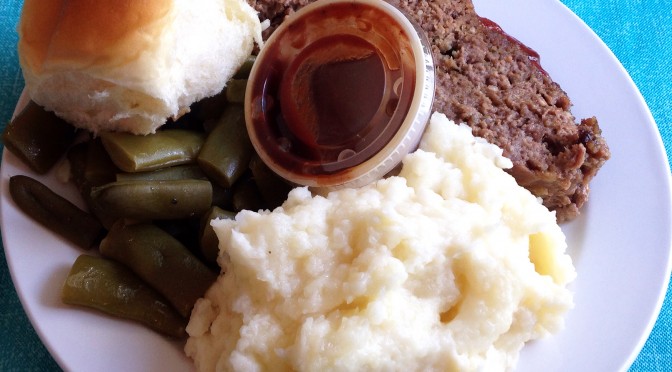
x,y
340,93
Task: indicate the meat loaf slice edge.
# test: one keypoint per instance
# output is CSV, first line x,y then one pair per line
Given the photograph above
x,y
490,81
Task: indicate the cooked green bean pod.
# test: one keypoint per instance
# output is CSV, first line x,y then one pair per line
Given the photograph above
x,y
272,187
133,153
209,240
246,195
55,212
235,90
209,108
110,287
90,165
244,70
230,113
226,153
222,196
185,230
161,261
38,137
178,172
99,167
149,200
77,159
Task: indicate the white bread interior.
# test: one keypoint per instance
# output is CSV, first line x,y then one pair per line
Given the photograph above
x,y
128,65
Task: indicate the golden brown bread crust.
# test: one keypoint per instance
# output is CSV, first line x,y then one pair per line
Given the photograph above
x,y
129,65
84,33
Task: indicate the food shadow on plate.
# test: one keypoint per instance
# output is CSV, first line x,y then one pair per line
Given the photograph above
x,y
50,296
575,232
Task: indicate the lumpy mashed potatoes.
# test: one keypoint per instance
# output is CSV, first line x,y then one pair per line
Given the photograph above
x,y
449,266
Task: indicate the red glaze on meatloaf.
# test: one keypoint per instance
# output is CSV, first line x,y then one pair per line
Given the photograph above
x,y
494,83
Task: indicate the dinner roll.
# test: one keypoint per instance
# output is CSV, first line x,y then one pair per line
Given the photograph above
x,y
128,65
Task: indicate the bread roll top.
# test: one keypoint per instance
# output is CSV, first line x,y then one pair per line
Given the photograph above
x,y
128,65
86,33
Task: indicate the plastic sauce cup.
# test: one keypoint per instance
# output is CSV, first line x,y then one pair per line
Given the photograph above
x,y
340,93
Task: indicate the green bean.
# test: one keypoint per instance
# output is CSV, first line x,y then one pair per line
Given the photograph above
x,y
38,137
109,287
209,108
273,188
222,196
106,217
226,153
161,261
244,70
99,168
133,153
90,165
246,195
209,240
148,200
55,212
230,113
77,159
235,90
178,172
185,230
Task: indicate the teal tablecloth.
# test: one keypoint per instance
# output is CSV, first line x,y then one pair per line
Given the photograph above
x,y
639,32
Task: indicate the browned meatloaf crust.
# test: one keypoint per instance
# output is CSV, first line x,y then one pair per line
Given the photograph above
x,y
488,80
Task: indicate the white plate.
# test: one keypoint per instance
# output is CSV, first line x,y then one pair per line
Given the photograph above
x,y
620,245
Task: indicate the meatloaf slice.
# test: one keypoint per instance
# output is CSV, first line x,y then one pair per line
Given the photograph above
x,y
495,84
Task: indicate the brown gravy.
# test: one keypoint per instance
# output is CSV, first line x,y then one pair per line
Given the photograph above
x,y
328,97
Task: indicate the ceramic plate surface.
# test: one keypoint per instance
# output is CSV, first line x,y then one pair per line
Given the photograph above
x,y
620,244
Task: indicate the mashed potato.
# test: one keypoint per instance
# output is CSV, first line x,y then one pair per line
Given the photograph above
x,y
449,266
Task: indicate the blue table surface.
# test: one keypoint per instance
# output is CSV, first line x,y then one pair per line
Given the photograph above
x,y
638,32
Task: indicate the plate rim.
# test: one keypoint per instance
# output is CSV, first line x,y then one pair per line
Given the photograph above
x,y
659,149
